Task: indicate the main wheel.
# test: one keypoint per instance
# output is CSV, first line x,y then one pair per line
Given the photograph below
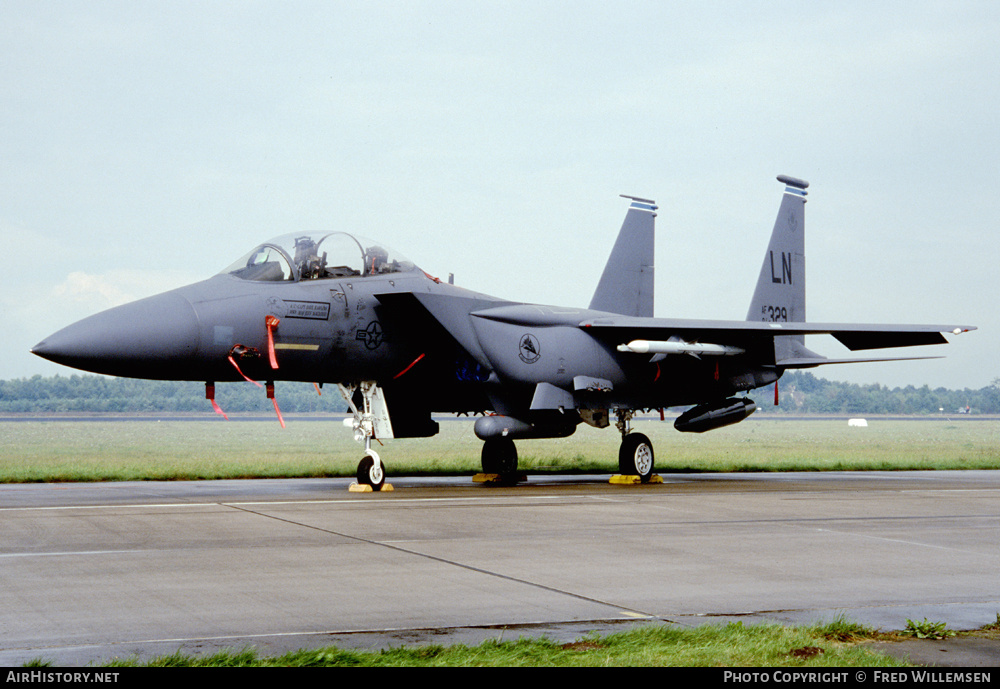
x,y
499,456
371,471
635,456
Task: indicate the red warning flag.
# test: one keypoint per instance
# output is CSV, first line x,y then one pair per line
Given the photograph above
x,y
272,323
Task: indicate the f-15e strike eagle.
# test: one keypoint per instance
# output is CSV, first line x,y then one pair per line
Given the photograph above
x,y
333,307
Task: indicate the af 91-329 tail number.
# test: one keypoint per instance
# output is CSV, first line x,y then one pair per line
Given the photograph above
x,y
774,314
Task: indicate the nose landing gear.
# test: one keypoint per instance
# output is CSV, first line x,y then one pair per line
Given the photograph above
x,y
371,471
371,423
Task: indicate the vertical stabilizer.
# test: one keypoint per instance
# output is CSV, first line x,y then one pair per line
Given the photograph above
x,y
781,287
626,286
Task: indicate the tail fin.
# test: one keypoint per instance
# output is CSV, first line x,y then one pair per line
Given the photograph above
x,y
626,286
781,287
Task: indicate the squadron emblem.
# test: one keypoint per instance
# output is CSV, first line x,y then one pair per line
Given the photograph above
x,y
530,351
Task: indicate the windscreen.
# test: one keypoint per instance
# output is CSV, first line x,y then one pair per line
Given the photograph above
x,y
295,257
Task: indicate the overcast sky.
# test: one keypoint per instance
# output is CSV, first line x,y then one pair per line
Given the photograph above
x,y
146,145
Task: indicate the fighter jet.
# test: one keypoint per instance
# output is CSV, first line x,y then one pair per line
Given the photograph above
x,y
399,344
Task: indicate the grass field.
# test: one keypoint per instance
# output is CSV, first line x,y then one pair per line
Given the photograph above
x,y
732,645
164,450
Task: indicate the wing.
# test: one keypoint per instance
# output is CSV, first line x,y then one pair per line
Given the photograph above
x,y
757,337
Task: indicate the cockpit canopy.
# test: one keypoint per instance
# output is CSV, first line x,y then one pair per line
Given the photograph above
x,y
295,257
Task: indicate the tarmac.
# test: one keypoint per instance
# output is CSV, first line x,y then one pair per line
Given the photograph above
x,y
98,571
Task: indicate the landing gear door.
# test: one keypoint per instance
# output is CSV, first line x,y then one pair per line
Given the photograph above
x,y
378,410
372,420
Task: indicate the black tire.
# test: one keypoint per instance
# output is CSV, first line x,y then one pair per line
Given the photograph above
x,y
368,475
635,456
499,456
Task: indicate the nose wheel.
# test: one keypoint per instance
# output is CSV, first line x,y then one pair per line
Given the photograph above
x,y
371,471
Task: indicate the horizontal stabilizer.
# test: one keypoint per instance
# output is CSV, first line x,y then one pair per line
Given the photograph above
x,y
812,362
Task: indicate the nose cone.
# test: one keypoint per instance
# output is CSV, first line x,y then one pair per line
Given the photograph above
x,y
151,338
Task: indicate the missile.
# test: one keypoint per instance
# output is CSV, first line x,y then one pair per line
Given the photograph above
x,y
678,347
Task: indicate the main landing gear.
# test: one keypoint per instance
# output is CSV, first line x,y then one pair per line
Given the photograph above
x,y
500,458
635,456
372,422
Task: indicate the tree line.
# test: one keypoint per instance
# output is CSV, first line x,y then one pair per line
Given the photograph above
x,y
90,393
800,392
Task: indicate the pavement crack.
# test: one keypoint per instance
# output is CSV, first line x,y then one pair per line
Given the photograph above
x,y
452,563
